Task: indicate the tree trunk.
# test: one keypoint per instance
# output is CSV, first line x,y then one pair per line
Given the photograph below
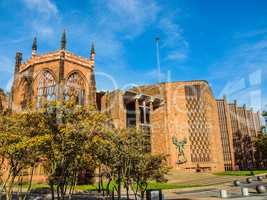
x,y
51,184
9,191
58,194
30,185
119,186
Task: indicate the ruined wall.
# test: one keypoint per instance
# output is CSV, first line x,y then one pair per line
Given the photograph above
x,y
111,103
3,100
61,64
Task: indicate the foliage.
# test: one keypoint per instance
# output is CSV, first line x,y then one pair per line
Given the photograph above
x,y
264,113
22,138
125,159
68,140
71,129
261,148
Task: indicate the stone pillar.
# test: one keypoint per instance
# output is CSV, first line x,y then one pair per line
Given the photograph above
x,y
61,77
92,89
18,62
144,111
137,113
151,100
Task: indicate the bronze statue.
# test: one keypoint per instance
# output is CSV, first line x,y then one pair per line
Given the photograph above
x,y
180,147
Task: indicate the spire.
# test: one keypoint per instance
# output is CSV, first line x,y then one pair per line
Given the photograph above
x,y
34,46
63,40
92,57
18,61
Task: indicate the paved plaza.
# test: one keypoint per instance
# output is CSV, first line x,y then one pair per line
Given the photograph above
x,y
213,186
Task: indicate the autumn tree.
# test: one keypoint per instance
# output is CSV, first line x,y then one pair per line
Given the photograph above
x,y
71,129
67,139
22,137
124,159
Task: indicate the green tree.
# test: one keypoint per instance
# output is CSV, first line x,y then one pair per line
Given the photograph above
x,y
71,129
261,149
264,115
68,139
124,159
22,137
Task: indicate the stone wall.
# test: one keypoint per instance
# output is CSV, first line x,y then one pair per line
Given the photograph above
x,y
61,64
195,120
3,100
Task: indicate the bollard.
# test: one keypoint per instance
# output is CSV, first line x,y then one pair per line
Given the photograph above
x,y
154,195
244,192
236,183
223,193
260,189
249,180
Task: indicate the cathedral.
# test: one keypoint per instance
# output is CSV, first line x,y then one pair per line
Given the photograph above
x,y
182,119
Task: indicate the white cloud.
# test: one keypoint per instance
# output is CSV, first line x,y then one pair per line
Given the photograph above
x,y
176,55
173,39
120,20
45,17
5,64
116,21
42,6
128,17
109,23
172,31
251,33
247,62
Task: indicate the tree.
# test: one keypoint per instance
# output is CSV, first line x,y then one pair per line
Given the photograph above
x,y
261,149
71,129
22,136
127,162
264,115
67,139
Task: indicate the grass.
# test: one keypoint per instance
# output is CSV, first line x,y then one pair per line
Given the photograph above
x,y
241,173
151,186
165,186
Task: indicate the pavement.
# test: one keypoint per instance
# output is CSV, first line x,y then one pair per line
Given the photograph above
x,y
213,186
210,189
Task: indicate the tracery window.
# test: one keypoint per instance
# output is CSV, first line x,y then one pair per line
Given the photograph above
x,y
75,89
24,94
46,89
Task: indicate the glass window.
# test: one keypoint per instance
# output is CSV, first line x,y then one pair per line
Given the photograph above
x,y
75,89
46,89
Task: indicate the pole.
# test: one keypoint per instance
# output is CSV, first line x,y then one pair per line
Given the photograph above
x,y
158,61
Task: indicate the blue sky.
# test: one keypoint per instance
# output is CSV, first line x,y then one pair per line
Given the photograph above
x,y
224,42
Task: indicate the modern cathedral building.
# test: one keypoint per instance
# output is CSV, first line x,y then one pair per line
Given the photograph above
x,y
181,119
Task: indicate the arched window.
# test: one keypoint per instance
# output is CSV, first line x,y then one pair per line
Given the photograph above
x,y
24,92
75,88
46,89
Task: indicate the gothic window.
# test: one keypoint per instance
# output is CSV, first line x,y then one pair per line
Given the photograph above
x,y
24,94
46,89
75,89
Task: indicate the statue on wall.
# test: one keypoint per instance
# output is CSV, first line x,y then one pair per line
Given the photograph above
x,y
180,148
